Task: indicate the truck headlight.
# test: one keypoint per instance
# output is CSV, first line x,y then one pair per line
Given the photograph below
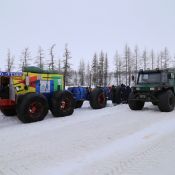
x,y
152,89
133,89
158,88
137,88
17,88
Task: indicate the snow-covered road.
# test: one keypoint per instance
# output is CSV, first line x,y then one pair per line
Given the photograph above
x,y
110,141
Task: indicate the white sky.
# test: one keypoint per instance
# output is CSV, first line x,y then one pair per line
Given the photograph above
x,y
88,26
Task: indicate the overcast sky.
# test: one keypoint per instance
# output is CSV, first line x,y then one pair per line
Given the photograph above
x,y
87,26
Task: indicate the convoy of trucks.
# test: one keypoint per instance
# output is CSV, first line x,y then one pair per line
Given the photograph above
x,y
32,93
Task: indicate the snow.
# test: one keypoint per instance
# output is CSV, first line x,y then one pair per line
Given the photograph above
x,y
110,141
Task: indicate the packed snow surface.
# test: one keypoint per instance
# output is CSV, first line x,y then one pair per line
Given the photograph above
x,y
110,141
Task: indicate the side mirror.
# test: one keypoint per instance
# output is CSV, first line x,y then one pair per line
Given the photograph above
x,y
133,78
169,76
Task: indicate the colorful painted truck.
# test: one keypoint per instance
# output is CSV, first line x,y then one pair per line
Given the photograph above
x,y
31,93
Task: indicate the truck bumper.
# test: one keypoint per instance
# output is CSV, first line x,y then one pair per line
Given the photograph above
x,y
6,103
146,97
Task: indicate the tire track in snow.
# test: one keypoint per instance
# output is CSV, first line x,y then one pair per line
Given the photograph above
x,y
148,159
120,146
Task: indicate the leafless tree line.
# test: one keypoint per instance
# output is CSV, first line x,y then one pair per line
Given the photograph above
x,y
131,61
96,72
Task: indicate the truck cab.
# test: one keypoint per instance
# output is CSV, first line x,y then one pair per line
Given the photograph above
x,y
156,86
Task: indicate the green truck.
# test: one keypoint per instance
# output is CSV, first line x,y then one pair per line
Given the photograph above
x,y
156,86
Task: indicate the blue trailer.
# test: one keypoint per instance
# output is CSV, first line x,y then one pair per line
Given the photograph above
x,y
98,96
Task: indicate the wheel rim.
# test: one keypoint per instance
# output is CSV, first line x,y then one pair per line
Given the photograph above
x,y
35,109
65,104
101,99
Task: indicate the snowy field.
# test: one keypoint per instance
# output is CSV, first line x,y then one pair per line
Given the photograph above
x,y
110,141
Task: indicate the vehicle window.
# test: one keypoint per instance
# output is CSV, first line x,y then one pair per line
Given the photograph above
x,y
149,78
164,77
172,75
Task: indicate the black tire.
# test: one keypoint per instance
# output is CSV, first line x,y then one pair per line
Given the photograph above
x,y
62,104
78,104
19,101
9,112
135,104
116,95
166,101
98,99
128,91
32,108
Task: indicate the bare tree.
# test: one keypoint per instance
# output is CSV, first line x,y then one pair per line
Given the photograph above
x,y
129,66
10,61
119,70
117,73
66,66
111,75
51,64
136,55
88,75
161,59
106,65
101,68
25,58
75,80
158,60
126,63
166,58
81,73
40,58
145,59
95,70
136,58
59,66
152,59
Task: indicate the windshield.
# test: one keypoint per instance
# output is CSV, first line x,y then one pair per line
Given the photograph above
x,y
156,77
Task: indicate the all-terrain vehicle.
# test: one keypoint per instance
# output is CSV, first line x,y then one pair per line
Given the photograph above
x,y
31,93
156,86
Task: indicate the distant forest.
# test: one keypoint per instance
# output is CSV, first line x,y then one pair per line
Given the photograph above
x,y
96,72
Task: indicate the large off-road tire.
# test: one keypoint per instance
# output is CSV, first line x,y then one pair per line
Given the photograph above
x,y
98,99
78,104
32,108
116,95
166,101
62,104
135,104
19,101
9,112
